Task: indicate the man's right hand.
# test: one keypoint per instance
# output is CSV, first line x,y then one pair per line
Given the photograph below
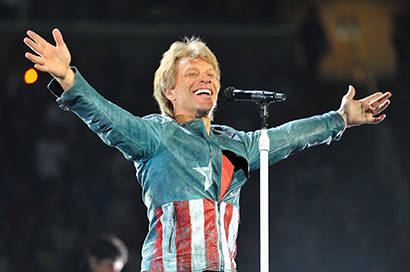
x,y
54,60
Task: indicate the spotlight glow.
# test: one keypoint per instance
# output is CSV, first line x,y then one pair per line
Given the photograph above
x,y
30,76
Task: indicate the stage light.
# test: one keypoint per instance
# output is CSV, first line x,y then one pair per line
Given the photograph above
x,y
30,76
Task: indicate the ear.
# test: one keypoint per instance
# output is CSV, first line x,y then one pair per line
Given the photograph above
x,y
170,94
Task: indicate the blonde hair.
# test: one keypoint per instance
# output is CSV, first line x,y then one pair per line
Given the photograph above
x,y
167,72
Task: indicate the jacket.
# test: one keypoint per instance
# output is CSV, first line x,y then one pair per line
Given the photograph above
x,y
191,227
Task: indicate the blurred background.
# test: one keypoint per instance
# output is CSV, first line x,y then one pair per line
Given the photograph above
x,y
342,207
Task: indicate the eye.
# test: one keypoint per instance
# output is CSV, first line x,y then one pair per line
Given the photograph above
x,y
191,74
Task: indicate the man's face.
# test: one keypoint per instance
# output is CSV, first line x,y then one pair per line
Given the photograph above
x,y
196,89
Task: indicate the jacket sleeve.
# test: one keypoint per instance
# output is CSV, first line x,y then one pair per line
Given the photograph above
x,y
295,136
135,137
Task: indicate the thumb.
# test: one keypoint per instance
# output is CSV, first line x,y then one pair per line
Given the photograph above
x,y
351,92
58,38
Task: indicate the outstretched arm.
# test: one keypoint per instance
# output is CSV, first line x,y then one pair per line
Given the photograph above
x,y
364,111
54,60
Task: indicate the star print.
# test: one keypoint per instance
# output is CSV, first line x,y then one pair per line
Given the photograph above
x,y
207,173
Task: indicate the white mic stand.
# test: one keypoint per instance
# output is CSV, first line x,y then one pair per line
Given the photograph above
x,y
264,147
263,100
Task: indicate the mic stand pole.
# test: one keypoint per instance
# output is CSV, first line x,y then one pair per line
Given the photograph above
x,y
263,99
264,146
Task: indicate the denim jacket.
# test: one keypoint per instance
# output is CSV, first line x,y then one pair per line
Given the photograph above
x,y
191,227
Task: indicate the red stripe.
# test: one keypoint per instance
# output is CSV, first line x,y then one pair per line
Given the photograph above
x,y
156,263
183,236
211,237
226,175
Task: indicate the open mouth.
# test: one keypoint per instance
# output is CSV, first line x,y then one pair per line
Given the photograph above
x,y
203,91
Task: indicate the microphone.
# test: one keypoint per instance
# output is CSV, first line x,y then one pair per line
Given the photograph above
x,y
232,94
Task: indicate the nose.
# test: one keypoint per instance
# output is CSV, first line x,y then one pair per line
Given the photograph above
x,y
206,81
205,78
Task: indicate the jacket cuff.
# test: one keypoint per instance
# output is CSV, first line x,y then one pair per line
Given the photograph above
x,y
339,122
55,88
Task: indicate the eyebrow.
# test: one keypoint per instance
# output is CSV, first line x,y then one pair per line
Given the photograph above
x,y
196,69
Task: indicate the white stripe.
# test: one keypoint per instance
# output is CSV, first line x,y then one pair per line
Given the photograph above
x,y
196,212
169,255
233,233
225,252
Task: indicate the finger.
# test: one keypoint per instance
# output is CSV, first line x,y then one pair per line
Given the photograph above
x,y
378,119
372,98
34,58
37,38
380,99
41,68
381,107
33,46
38,62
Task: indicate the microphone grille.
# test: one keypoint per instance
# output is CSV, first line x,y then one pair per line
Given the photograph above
x,y
228,93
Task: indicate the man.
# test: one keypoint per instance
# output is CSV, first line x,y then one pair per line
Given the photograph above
x,y
191,171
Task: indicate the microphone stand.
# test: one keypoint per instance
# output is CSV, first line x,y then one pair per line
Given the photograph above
x,y
263,99
264,146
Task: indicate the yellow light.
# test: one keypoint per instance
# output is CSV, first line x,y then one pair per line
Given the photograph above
x,y
30,76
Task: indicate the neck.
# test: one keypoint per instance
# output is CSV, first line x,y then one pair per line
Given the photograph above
x,y
184,118
207,123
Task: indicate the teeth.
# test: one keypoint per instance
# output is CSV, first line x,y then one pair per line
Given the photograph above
x,y
202,91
